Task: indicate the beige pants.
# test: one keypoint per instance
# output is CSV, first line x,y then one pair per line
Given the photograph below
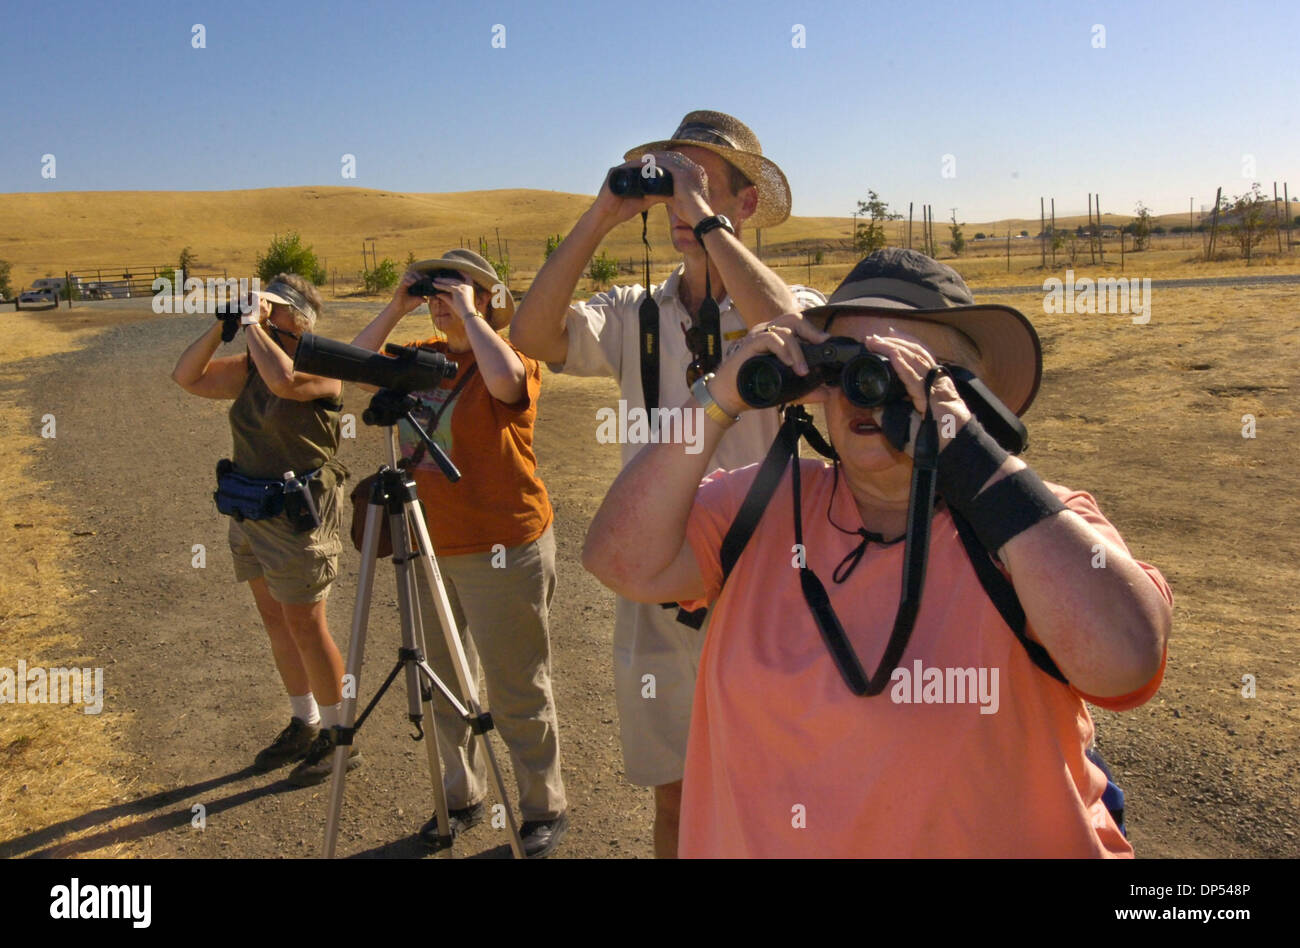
x,y
502,616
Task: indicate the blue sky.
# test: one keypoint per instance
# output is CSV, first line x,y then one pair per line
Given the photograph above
x,y
1016,92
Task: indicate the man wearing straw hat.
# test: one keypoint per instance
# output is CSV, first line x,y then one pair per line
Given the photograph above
x,y
658,344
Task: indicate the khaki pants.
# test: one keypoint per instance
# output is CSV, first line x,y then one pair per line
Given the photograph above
x,y
502,617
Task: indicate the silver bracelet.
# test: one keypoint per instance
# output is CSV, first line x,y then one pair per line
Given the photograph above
x,y
700,390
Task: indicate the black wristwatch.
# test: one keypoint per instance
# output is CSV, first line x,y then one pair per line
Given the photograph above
x,y
713,223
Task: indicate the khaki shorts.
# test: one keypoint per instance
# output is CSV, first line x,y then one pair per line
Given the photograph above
x,y
656,659
298,567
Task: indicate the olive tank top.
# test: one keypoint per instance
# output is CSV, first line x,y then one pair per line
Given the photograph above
x,y
273,434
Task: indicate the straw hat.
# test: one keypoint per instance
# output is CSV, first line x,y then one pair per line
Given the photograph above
x,y
730,139
480,273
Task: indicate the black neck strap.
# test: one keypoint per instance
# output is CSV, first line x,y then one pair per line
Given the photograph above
x,y
784,450
649,321
709,321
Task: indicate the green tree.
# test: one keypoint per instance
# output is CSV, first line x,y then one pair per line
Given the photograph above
x,y
187,260
288,254
1141,227
604,268
6,290
958,242
382,277
1248,221
869,230
552,243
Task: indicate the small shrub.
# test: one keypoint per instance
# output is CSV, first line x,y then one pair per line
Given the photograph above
x,y
288,254
604,268
382,277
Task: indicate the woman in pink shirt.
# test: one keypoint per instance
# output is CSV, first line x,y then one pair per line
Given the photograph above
x,y
968,741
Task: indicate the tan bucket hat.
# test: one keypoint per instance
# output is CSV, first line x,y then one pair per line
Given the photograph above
x,y
481,274
920,287
731,139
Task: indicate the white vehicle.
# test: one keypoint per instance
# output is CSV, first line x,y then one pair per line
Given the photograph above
x,y
57,284
41,294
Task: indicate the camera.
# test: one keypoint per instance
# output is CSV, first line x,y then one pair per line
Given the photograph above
x,y
640,182
867,378
405,369
424,286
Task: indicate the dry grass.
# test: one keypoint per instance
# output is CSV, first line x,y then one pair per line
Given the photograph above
x,y
57,763
45,234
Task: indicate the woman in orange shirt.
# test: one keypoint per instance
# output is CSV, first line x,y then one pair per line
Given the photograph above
x,y
491,531
969,745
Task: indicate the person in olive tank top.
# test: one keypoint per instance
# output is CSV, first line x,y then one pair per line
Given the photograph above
x,y
282,420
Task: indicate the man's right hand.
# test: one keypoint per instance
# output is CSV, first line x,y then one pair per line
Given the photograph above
x,y
614,210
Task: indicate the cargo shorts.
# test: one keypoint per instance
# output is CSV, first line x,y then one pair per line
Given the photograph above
x,y
299,568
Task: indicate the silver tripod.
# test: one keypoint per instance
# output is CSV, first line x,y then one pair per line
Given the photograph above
x,y
393,491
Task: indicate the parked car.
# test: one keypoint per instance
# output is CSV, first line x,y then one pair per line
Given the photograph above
x,y
41,294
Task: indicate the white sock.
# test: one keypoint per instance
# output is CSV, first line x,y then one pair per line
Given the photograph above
x,y
304,708
330,714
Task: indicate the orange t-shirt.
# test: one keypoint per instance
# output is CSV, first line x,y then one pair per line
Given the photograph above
x,y
499,498
982,758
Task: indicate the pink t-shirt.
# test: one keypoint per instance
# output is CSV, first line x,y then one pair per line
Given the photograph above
x,y
973,752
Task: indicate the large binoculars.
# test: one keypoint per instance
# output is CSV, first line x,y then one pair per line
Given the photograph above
x,y
867,378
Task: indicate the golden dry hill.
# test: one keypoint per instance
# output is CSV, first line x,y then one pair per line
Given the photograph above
x,y
46,234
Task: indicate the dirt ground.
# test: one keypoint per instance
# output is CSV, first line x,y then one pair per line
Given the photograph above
x,y
1148,418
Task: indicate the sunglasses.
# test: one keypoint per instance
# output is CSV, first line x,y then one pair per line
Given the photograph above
x,y
704,361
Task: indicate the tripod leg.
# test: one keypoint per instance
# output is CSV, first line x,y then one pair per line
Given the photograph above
x,y
356,653
469,689
418,710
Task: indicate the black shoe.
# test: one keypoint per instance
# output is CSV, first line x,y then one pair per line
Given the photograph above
x,y
319,762
460,821
540,837
291,744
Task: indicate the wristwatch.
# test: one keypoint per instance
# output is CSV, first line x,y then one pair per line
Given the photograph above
x,y
713,223
700,390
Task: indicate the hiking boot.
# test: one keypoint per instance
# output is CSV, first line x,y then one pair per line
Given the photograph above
x,y
291,744
460,821
540,837
319,762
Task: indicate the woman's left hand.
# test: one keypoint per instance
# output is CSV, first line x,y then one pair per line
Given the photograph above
x,y
459,295
911,362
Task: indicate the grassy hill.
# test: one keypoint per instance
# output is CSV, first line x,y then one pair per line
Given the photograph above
x,y
46,234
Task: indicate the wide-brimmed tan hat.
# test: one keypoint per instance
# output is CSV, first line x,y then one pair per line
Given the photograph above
x,y
481,274
920,287
731,140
